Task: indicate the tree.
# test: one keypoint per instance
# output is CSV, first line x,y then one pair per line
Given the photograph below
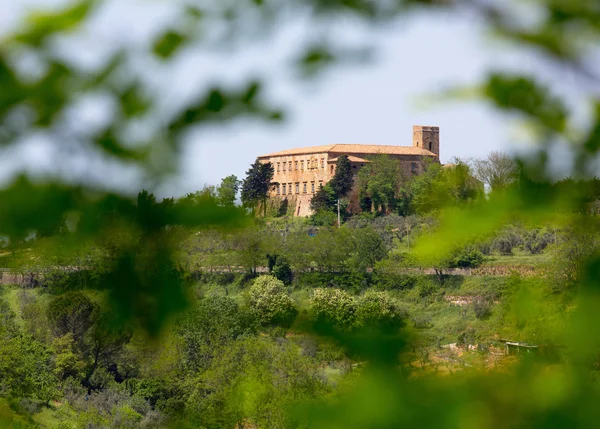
x,y
269,300
380,183
211,325
72,313
257,184
343,178
369,246
444,186
497,171
325,199
227,191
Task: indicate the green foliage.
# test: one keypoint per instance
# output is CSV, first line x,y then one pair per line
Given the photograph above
x,y
26,369
323,218
376,309
467,258
380,182
228,190
257,184
370,247
254,382
343,179
324,199
211,325
270,302
440,187
333,306
282,271
72,313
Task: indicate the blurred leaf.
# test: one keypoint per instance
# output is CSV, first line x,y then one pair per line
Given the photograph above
x,y
168,44
41,25
110,144
133,101
524,95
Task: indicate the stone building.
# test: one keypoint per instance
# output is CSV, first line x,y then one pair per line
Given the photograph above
x,y
300,172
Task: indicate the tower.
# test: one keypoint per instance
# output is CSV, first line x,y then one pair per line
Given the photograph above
x,y
427,138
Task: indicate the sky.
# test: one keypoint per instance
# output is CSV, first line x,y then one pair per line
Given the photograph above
x,y
373,103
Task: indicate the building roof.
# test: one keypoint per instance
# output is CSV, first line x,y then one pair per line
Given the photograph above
x,y
353,148
351,158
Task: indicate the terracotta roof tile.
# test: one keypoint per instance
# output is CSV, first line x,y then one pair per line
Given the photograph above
x,y
353,148
350,158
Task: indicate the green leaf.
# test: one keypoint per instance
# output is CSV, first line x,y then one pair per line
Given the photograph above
x,y
523,94
168,44
41,25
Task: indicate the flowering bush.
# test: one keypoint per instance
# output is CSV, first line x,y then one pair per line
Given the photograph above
x,y
333,306
271,303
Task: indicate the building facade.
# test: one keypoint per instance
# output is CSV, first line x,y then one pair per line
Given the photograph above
x,y
300,172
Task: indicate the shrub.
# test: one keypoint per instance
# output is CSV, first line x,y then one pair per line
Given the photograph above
x,y
536,241
271,303
323,218
482,309
467,258
333,306
378,309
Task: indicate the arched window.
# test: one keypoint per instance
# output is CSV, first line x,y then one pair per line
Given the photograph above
x,y
430,145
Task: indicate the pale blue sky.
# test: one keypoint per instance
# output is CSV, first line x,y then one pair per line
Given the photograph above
x,y
375,103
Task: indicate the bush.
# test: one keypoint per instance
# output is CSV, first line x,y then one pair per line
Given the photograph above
x,y
467,258
536,241
482,309
378,309
271,303
333,306
323,218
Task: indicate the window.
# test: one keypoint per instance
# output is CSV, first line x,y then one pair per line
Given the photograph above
x,y
301,165
284,166
430,145
278,166
414,168
290,188
320,184
283,191
304,185
296,165
278,190
323,163
290,165
331,168
312,187
297,187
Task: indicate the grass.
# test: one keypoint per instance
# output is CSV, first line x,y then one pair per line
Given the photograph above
x,y
519,259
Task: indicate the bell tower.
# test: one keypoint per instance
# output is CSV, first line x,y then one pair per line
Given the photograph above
x,y
427,138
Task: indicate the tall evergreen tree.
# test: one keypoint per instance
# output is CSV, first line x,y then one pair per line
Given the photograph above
x,y
343,179
257,184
